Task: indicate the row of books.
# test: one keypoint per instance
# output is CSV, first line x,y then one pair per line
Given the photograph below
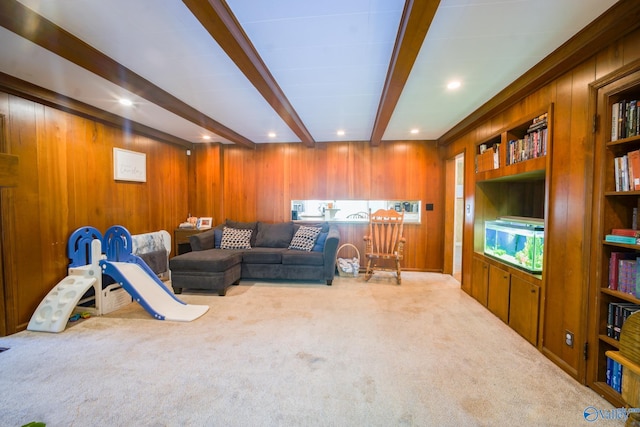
x,y
624,274
617,315
533,145
625,119
626,170
614,374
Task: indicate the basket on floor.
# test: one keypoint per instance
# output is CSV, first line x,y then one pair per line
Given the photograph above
x,y
348,267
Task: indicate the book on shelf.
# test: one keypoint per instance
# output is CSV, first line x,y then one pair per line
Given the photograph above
x,y
634,169
627,276
629,232
632,119
614,375
621,173
627,240
539,121
626,170
614,264
625,119
614,121
617,315
635,289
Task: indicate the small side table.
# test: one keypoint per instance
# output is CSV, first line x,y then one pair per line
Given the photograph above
x,y
181,243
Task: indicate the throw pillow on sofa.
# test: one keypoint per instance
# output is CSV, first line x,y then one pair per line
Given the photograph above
x,y
235,238
320,241
217,238
244,226
305,238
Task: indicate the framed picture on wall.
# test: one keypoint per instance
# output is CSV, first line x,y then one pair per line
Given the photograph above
x,y
204,223
129,165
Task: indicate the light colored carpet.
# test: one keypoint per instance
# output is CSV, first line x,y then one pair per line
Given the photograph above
x,y
286,354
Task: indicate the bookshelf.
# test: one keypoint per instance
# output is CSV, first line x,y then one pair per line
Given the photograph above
x,y
518,152
515,184
624,366
611,299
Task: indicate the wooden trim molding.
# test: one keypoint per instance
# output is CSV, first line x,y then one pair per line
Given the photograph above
x,y
621,19
218,19
7,235
19,19
414,24
26,90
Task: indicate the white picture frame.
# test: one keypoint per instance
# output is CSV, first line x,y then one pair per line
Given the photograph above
x,y
204,223
129,165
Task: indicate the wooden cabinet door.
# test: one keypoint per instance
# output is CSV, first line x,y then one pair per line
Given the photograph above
x,y
523,308
479,280
498,295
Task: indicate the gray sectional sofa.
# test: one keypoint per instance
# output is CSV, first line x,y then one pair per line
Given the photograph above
x,y
222,256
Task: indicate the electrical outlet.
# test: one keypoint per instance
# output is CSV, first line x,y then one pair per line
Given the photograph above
x,y
568,338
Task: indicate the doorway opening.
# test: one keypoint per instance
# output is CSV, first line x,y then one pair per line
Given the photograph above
x,y
458,217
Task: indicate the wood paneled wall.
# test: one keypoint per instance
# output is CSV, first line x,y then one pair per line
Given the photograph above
x,y
567,243
65,182
260,184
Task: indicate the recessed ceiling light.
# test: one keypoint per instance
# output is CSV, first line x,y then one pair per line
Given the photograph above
x,y
454,84
340,132
126,102
206,137
414,131
271,134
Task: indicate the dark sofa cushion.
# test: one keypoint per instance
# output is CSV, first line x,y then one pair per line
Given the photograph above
x,y
274,235
202,241
211,260
260,255
294,257
322,225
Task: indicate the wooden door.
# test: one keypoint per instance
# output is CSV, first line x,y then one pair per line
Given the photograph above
x,y
480,280
498,295
524,304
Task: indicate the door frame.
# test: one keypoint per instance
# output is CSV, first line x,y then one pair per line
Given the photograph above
x,y
449,209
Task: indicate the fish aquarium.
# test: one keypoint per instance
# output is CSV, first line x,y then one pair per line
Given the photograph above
x,y
517,241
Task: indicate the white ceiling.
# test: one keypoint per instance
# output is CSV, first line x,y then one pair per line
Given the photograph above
x,y
329,57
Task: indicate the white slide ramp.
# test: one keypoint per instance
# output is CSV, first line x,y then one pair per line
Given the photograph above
x,y
53,312
158,299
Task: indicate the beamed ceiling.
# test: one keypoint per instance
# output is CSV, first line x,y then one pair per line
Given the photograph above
x,y
247,72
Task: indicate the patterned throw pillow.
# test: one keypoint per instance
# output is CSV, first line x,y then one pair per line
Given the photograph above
x,y
305,238
235,238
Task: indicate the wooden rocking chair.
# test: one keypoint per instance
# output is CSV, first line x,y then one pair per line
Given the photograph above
x,y
384,242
